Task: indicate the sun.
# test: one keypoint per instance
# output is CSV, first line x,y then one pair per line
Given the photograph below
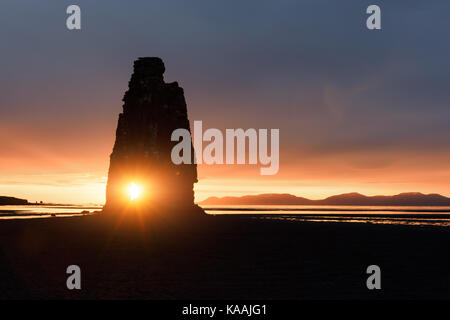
x,y
134,191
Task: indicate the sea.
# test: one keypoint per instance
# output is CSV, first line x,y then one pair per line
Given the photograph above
x,y
393,215
46,211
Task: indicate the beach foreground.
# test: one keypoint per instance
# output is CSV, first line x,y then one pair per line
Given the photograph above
x,y
219,257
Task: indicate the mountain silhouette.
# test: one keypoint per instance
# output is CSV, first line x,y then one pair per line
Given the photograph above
x,y
354,198
12,201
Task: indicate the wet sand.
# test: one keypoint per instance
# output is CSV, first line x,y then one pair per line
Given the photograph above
x,y
220,257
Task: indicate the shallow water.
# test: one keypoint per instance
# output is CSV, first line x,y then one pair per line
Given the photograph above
x,y
44,211
397,215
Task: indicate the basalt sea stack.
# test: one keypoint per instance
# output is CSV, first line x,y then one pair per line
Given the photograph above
x,y
141,172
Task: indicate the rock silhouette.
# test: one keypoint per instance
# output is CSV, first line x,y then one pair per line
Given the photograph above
x,y
141,156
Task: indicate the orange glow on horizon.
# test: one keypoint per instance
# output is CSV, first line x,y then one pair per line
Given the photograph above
x,y
90,189
55,171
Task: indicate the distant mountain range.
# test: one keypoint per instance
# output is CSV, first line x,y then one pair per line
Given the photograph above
x,y
12,201
348,199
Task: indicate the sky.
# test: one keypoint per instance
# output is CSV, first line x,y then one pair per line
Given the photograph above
x,y
357,109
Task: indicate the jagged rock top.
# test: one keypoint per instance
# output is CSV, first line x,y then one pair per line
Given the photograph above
x,y
149,67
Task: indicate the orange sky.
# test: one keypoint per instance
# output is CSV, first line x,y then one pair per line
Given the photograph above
x,y
358,110
72,168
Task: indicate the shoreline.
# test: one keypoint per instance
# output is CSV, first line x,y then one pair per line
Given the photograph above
x,y
428,219
220,257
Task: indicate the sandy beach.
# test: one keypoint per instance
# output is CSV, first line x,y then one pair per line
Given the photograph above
x,y
219,257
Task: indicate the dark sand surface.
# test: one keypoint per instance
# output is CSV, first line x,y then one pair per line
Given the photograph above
x,y
220,257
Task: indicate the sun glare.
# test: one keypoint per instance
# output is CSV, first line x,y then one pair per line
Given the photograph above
x,y
134,191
